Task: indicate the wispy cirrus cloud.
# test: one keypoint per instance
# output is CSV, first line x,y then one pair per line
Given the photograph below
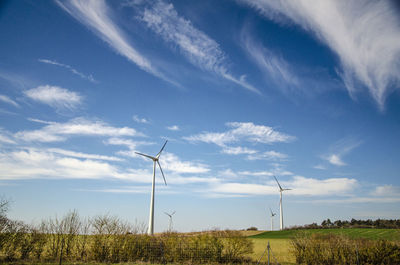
x,y
340,149
247,131
8,100
55,96
238,150
268,155
129,143
70,68
364,35
137,119
275,67
195,45
56,132
95,15
6,137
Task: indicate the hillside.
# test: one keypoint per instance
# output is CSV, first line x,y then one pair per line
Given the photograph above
x,y
367,233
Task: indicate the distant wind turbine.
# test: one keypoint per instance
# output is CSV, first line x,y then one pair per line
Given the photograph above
x,y
170,220
272,219
280,203
155,159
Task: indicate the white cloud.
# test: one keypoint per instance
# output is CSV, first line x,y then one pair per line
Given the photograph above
x,y
300,186
238,150
387,191
8,100
32,164
335,160
268,155
243,131
257,173
219,139
55,132
195,45
321,187
360,200
140,120
54,96
321,167
340,149
227,173
364,35
95,15
74,71
6,137
173,128
244,189
171,162
275,67
83,155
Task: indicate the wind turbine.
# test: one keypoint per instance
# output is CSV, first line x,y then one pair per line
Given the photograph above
x,y
170,220
155,159
272,219
280,203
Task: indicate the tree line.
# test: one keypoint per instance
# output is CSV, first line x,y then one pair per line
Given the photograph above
x,y
353,223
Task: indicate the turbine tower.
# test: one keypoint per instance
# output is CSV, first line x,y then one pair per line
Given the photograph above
x,y
272,219
280,203
170,220
155,159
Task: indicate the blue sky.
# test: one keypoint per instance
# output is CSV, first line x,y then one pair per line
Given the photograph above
x,y
243,90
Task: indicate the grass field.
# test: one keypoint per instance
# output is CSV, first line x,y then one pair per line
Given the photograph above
x,y
367,233
280,240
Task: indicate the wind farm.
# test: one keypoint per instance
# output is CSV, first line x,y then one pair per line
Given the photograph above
x,y
267,117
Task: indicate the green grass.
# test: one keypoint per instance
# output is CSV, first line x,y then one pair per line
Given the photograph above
x,y
367,233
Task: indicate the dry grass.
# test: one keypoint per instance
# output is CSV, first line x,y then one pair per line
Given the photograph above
x,y
280,250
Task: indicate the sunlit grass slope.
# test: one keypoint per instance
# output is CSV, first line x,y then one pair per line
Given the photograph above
x,y
367,233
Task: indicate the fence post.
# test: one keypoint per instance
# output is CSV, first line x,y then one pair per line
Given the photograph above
x,y
268,251
61,252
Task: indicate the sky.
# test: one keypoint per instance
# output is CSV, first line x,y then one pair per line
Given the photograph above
x,y
242,90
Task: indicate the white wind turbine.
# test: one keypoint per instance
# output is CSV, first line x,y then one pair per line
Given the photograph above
x,y
155,159
272,219
280,204
170,220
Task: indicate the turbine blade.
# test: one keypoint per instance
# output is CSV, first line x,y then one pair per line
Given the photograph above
x,y
162,148
287,189
152,158
162,172
278,184
173,213
271,211
167,214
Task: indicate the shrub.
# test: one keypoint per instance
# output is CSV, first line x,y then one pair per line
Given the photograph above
x,y
334,249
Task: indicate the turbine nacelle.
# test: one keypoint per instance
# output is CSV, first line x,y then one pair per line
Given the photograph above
x,y
272,214
156,159
280,187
